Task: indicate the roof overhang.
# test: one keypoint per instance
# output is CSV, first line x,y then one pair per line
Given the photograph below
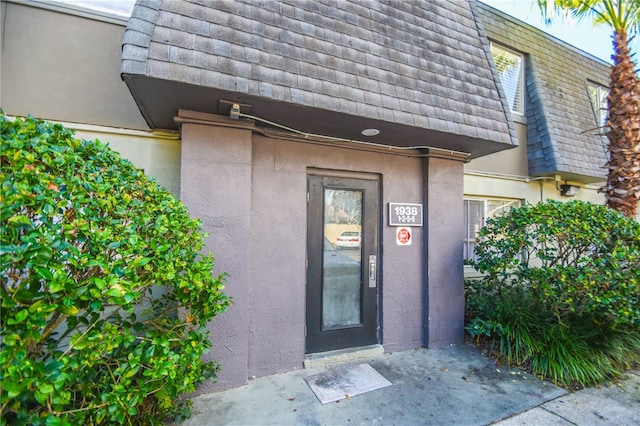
x,y
159,101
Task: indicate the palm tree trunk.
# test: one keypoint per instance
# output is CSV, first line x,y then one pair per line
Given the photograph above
x,y
623,182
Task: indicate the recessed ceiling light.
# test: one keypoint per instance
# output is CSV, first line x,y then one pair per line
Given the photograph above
x,y
370,132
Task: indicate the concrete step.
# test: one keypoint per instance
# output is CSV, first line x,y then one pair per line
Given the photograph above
x,y
323,359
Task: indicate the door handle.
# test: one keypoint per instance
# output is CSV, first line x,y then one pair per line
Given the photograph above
x,y
372,270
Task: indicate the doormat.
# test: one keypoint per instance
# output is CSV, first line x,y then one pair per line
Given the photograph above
x,y
345,381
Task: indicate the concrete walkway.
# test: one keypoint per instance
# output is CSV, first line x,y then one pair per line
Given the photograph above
x,y
454,386
614,404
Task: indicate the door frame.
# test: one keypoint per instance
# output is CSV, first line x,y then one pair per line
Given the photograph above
x,y
316,339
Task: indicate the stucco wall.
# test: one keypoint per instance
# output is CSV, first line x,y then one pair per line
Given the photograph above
x,y
403,269
157,154
64,67
505,175
509,162
216,187
278,245
250,191
444,299
532,191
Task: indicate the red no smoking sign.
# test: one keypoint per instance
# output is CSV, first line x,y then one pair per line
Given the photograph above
x,y
403,236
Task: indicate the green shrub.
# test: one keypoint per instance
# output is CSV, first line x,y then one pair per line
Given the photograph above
x,y
105,297
561,291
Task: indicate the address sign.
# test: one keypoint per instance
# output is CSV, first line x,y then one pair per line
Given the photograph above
x,y
405,214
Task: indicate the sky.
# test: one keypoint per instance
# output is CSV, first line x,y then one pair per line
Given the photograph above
x,y
583,35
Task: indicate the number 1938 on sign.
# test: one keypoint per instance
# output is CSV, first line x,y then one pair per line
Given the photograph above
x,y
405,214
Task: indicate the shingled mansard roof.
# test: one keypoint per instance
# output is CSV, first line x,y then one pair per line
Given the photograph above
x,y
560,120
418,70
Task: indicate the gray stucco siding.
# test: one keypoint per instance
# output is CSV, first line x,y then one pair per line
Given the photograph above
x,y
250,191
443,295
278,235
279,212
216,186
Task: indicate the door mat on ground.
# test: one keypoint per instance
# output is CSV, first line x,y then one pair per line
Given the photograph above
x,y
345,381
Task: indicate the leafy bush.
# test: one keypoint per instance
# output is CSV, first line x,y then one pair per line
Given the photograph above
x,y
104,295
561,291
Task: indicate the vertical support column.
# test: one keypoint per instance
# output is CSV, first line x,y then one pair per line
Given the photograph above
x,y
215,185
443,294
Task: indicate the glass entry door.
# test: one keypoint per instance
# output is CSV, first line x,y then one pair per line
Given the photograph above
x,y
342,270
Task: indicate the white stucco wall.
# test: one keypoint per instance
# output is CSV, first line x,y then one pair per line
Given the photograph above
x,y
158,154
531,190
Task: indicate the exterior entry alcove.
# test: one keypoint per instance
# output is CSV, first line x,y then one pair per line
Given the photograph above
x,y
432,93
251,193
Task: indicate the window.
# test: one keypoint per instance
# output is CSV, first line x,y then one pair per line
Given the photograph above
x,y
476,212
598,95
510,67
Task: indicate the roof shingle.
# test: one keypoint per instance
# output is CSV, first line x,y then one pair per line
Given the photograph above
x,y
389,60
561,134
